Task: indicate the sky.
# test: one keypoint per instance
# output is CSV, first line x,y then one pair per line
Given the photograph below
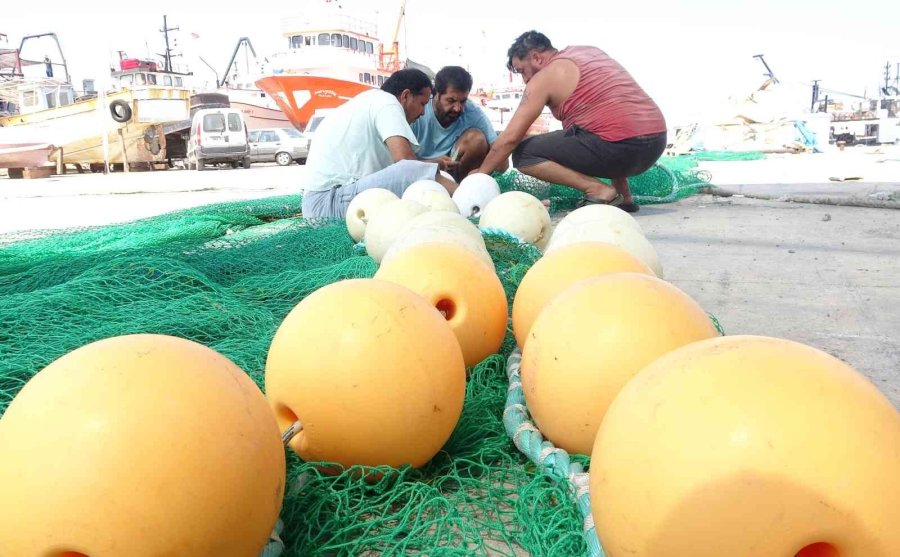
x,y
689,55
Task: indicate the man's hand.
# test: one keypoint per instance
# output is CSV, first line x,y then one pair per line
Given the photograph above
x,y
446,164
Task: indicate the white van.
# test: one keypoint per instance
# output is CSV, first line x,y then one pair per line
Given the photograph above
x,y
218,135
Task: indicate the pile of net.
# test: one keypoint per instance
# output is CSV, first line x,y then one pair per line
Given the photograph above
x,y
671,179
225,276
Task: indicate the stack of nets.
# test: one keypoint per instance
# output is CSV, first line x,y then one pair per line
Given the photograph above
x,y
225,276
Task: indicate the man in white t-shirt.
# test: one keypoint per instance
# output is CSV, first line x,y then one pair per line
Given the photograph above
x,y
367,143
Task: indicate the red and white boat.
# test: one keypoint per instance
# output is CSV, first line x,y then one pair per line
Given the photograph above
x,y
331,58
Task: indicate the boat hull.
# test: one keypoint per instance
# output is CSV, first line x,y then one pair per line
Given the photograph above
x,y
299,96
24,155
78,129
258,117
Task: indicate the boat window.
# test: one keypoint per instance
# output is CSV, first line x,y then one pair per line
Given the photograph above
x,y
151,79
380,80
51,100
126,79
296,41
335,40
234,122
178,82
368,47
308,40
346,43
361,46
214,122
353,43
29,99
361,77
139,79
167,80
324,39
368,77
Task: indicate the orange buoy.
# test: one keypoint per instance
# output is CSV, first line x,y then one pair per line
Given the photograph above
x,y
139,445
465,290
557,271
591,340
371,370
748,446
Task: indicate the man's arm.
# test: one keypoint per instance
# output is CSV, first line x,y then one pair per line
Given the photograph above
x,y
400,148
534,99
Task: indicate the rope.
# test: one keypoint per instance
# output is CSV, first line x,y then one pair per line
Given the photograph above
x,y
551,460
275,547
871,203
291,432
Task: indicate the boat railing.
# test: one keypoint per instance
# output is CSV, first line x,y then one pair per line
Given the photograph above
x,y
322,22
316,56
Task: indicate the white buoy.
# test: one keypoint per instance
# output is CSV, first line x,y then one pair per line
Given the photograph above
x,y
474,193
362,206
520,214
386,222
417,188
618,233
440,227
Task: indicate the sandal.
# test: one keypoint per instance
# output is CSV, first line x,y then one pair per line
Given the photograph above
x,y
616,201
630,207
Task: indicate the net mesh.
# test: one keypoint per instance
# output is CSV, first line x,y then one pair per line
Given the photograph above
x,y
225,276
671,179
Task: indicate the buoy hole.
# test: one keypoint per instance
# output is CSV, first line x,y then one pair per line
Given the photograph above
x,y
361,214
819,549
286,416
69,554
447,308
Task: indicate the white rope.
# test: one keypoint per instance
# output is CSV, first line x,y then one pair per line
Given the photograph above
x,y
291,432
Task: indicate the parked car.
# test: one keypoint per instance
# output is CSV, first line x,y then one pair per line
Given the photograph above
x,y
281,145
218,135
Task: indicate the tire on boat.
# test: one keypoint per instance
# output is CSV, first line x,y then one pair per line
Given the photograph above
x,y
120,111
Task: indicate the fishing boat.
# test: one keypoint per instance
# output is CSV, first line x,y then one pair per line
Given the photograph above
x,y
331,57
125,124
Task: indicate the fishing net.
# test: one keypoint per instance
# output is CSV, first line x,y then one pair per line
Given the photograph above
x,y
225,276
670,179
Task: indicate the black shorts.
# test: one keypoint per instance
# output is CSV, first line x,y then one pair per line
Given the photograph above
x,y
585,152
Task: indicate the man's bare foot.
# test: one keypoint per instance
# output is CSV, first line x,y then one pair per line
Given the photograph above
x,y
601,191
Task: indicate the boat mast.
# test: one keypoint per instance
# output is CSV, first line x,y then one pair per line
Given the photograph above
x,y
167,57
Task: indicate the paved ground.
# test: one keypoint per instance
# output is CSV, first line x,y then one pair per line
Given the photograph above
x,y
824,275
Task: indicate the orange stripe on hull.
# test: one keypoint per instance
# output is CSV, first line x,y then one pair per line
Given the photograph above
x,y
299,96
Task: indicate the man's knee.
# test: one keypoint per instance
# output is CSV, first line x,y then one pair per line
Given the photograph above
x,y
473,141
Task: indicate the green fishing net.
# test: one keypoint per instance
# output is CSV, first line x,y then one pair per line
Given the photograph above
x,y
670,179
225,276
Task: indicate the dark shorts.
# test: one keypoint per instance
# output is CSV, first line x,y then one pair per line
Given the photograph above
x,y
585,152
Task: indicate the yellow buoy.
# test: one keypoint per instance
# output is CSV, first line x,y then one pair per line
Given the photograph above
x,y
748,446
465,290
371,370
139,445
593,338
557,271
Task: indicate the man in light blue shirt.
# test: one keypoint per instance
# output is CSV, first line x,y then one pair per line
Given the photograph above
x,y
454,132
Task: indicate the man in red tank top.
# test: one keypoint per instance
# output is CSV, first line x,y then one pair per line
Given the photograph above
x,y
611,127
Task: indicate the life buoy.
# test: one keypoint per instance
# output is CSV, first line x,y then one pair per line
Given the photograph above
x,y
120,111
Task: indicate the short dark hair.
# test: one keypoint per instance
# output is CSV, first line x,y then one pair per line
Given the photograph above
x,y
452,76
412,79
525,43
